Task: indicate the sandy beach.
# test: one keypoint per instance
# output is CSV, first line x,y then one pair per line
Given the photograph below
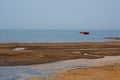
x,y
107,68
78,61
14,54
110,72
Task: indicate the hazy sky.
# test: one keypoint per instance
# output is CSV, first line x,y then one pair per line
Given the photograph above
x,y
59,14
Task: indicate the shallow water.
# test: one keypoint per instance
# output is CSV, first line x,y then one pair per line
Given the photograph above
x,y
23,72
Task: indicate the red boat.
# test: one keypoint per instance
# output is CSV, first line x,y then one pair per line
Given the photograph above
x,y
84,33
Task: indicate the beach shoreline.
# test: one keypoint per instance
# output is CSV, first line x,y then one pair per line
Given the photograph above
x,y
109,72
18,54
90,69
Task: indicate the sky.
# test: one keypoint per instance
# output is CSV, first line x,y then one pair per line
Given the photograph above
x,y
60,14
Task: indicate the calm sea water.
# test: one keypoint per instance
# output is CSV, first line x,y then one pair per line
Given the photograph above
x,y
55,35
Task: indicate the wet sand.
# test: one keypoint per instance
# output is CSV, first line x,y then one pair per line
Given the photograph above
x,y
16,54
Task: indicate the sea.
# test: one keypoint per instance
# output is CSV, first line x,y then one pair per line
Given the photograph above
x,y
43,36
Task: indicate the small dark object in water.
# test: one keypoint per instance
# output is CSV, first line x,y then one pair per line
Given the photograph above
x,y
84,33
